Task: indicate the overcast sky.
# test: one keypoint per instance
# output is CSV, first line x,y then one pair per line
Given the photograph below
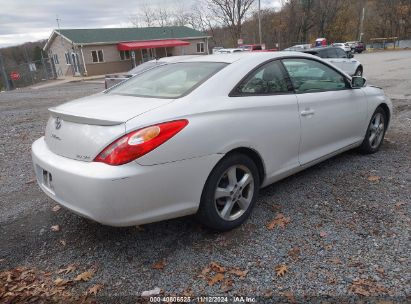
x,y
31,20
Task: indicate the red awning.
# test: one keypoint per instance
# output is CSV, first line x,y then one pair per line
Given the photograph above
x,y
152,44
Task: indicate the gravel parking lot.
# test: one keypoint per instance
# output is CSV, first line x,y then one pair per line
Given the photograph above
x,y
342,227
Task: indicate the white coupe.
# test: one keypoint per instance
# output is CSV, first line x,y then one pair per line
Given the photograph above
x,y
203,135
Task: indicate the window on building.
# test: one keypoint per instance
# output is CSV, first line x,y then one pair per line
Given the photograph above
x,y
97,56
55,59
200,47
67,55
125,55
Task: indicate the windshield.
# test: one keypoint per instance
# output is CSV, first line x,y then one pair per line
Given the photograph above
x,y
168,81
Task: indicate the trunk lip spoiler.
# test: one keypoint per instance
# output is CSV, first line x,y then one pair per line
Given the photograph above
x,y
83,119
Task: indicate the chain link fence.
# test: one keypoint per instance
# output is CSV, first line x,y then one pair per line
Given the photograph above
x,y
27,74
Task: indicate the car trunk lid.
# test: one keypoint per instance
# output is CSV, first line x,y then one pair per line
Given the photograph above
x,y
81,129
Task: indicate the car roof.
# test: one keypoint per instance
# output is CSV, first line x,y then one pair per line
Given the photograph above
x,y
233,57
322,48
176,58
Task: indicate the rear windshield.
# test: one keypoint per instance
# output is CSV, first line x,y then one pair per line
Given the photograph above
x,y
145,66
168,81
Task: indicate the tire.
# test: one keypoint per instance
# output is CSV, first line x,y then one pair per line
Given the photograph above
x,y
237,198
374,136
358,72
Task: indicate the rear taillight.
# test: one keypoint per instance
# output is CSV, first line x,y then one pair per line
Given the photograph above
x,y
138,143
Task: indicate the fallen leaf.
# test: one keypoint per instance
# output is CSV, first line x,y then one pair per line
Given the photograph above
x,y
215,279
290,297
84,276
281,270
205,271
328,247
374,178
63,242
335,261
56,208
268,293
159,265
216,267
60,282
227,285
30,181
366,287
323,233
188,293
294,253
68,269
55,228
95,289
276,207
399,204
380,270
149,293
239,273
279,221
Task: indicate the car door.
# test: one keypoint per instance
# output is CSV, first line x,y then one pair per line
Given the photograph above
x,y
349,65
268,107
332,114
336,58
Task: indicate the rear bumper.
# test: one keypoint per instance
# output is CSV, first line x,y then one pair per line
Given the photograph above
x,y
124,195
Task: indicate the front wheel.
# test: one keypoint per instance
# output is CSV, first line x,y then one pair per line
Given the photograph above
x,y
375,132
229,193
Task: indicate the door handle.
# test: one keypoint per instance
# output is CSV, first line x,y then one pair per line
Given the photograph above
x,y
307,112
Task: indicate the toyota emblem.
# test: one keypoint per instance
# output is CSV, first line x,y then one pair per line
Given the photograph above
x,y
58,123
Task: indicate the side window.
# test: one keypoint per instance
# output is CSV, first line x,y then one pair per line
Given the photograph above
x,y
268,79
341,53
323,54
312,76
332,53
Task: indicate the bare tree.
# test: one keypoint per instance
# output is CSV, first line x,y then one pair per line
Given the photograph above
x,y
231,14
146,16
181,16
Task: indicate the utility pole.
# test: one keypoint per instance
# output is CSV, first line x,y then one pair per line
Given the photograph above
x,y
28,60
360,34
58,22
4,74
259,21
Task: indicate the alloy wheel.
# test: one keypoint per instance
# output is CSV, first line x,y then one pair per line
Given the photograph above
x,y
376,130
234,192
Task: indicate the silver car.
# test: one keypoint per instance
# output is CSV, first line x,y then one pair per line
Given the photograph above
x,y
203,135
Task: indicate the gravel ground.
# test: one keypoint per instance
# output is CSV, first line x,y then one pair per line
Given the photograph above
x,y
346,221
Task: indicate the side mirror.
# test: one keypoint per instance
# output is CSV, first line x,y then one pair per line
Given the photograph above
x,y
358,82
350,55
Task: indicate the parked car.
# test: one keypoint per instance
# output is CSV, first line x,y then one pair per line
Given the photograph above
x,y
345,46
251,47
339,58
114,79
359,47
298,47
352,45
203,135
229,51
216,49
